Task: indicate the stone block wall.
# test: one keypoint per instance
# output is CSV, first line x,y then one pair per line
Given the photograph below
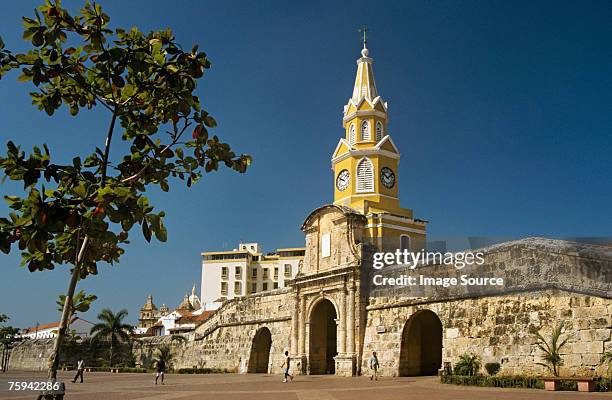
x,y
501,329
225,340
31,355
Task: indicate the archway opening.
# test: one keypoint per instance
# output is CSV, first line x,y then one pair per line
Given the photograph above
x,y
421,348
323,339
260,351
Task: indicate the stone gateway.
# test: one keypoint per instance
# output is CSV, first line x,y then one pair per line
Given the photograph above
x,y
330,315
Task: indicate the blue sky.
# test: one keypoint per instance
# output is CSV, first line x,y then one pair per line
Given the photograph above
x,y
502,112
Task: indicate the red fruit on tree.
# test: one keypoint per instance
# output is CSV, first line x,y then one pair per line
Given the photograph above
x,y
197,132
98,211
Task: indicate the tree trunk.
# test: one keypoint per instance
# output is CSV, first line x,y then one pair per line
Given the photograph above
x,y
110,361
54,358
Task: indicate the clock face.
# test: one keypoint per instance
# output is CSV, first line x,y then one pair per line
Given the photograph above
x,y
387,177
343,180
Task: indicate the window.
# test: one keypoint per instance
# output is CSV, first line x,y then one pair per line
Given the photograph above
x,y
365,131
223,287
265,273
275,272
325,246
365,176
224,272
255,258
379,131
237,288
287,270
275,285
352,138
217,257
404,242
265,286
254,273
238,273
253,287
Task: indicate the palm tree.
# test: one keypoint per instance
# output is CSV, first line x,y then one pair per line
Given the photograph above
x,y
552,351
467,365
112,329
163,353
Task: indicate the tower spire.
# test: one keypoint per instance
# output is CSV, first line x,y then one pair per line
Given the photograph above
x,y
365,87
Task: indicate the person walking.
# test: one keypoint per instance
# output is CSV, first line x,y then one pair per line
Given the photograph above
x,y
80,368
374,366
286,365
160,367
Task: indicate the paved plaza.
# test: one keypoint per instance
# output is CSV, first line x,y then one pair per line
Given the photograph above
x,y
106,386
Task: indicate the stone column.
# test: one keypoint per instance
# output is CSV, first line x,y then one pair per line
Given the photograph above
x,y
302,327
342,323
350,323
295,326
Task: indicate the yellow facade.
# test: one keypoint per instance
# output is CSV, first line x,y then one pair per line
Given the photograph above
x,y
365,164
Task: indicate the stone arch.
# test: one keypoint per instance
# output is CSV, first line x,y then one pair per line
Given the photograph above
x,y
259,359
421,345
322,336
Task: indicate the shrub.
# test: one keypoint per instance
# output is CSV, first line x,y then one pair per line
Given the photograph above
x,y
492,368
202,371
133,370
519,381
468,365
552,349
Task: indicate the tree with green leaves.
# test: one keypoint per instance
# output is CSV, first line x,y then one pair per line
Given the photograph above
x,y
81,302
112,330
552,349
81,214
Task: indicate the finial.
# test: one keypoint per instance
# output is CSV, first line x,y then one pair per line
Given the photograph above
x,y
364,51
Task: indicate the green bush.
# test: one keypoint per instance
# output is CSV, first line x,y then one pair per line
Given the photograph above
x,y
492,368
519,381
202,371
468,365
133,370
603,385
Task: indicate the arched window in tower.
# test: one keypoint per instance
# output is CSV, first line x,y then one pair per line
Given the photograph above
x,y
404,242
379,131
365,176
365,131
352,138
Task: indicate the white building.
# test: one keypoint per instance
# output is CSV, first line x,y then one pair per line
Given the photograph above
x,y
80,326
246,270
160,322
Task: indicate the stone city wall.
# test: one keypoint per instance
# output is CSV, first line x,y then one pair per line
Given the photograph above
x,y
501,329
31,355
225,340
546,282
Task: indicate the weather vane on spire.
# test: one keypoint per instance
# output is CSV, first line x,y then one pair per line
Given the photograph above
x,y
364,30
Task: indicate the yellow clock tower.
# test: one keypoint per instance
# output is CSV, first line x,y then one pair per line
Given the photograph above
x,y
365,164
